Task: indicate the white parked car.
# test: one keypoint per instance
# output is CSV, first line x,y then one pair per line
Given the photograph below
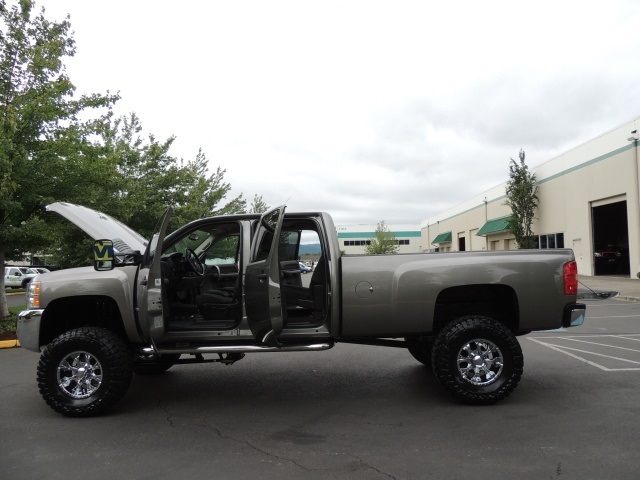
x,y
18,277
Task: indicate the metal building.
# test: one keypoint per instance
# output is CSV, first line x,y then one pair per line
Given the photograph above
x,y
353,239
589,201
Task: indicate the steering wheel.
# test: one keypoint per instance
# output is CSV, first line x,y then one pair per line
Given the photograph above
x,y
194,262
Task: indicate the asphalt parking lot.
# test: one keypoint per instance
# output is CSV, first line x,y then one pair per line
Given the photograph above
x,y
354,412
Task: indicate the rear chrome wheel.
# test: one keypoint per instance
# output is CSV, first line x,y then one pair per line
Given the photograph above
x,y
478,360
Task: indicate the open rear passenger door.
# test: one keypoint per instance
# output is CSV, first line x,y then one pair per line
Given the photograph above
x,y
262,280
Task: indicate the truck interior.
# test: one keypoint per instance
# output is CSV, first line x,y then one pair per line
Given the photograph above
x,y
202,285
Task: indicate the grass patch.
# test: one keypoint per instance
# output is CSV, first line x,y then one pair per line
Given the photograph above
x,y
8,324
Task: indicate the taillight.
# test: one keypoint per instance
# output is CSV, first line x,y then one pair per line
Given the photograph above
x,y
570,278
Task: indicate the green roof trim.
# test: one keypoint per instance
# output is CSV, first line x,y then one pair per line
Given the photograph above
x,y
373,234
442,238
497,225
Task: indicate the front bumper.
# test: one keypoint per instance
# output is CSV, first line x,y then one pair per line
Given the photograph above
x,y
29,329
574,315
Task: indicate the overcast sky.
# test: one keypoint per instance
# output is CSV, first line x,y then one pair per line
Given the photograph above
x,y
368,110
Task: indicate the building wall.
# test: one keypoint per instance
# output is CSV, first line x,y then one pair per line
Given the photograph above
x,y
601,171
353,238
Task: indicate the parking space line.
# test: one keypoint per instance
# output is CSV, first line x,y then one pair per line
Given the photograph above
x,y
595,335
601,344
601,355
564,349
552,347
597,304
614,316
626,337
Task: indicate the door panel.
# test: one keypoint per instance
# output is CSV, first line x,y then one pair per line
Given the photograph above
x,y
262,280
150,297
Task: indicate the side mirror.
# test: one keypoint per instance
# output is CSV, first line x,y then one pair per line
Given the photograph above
x,y
103,256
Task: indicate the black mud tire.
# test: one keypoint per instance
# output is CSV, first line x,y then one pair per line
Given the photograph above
x,y
420,349
105,373
158,367
495,347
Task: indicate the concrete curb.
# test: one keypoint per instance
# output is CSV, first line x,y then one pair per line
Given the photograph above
x,y
9,344
628,299
606,295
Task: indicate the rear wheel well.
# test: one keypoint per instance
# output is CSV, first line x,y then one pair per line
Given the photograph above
x,y
499,302
68,313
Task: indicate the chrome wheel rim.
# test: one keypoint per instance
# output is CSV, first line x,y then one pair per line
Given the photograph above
x,y
79,375
480,362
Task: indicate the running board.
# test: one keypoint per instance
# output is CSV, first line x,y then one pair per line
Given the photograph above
x,y
163,350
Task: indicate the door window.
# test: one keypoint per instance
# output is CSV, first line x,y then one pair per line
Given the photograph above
x,y
223,251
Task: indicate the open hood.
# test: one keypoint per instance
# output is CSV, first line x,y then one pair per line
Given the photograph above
x,y
101,226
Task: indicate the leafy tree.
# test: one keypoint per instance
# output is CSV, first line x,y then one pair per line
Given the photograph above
x,y
147,178
258,205
522,197
47,153
139,178
41,136
384,241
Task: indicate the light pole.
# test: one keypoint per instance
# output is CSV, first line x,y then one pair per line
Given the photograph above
x,y
486,237
634,138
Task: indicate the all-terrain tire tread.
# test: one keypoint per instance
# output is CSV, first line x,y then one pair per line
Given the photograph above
x,y
442,353
117,362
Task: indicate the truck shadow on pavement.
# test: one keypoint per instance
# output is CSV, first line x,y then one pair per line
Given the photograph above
x,y
202,388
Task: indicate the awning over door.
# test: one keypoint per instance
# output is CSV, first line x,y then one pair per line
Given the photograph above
x,y
497,225
442,238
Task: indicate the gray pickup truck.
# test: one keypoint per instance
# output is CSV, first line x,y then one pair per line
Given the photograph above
x,y
219,288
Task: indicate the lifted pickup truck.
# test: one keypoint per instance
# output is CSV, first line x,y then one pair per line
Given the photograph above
x,y
219,288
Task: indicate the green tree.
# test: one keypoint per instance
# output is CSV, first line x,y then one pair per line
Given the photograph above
x,y
42,138
258,205
522,197
383,242
146,178
138,179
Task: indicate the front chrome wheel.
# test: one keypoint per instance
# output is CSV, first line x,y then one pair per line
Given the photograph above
x,y
480,362
84,371
79,375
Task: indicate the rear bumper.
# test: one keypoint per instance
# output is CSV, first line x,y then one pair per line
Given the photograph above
x,y
574,315
29,329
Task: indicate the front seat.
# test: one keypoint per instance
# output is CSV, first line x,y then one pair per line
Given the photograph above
x,y
215,304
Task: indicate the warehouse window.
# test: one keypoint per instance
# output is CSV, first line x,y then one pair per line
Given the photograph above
x,y
551,240
356,243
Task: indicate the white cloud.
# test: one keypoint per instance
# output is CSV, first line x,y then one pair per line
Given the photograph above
x,y
368,110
